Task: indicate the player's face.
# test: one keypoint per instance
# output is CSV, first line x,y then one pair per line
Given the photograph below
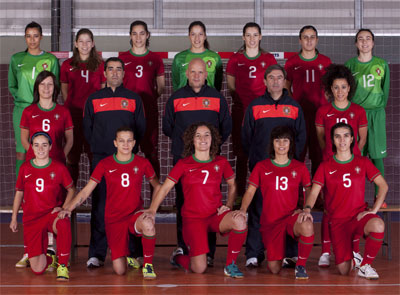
x,y
33,38
252,37
340,89
196,74
281,146
114,74
46,88
197,37
139,36
202,139
84,44
342,139
365,43
275,81
41,147
308,40
124,142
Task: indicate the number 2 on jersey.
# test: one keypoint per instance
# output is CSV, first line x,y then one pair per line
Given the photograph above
x,y
252,69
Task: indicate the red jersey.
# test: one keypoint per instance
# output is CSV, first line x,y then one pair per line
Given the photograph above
x,y
345,185
42,187
54,121
328,115
141,72
305,76
124,185
279,185
249,75
201,181
81,83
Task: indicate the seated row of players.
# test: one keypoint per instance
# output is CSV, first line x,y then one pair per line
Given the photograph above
x,y
202,171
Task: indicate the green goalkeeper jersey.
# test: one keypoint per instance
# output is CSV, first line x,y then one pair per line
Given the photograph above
x,y
373,82
213,65
22,73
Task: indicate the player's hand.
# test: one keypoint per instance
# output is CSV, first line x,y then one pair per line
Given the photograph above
x,y
297,211
56,209
362,214
222,209
239,213
304,216
64,213
147,213
13,226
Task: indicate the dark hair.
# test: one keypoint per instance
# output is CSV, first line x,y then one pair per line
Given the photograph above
x,y
189,134
114,58
139,23
363,30
34,25
39,79
342,125
333,72
275,67
308,27
281,132
124,129
94,59
202,25
251,25
41,133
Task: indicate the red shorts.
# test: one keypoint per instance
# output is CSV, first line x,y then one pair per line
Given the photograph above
x,y
342,232
118,235
274,237
35,234
195,231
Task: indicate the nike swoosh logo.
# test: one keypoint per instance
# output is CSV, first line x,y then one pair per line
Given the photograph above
x,y
71,69
20,65
34,116
62,254
127,63
268,173
331,172
103,104
235,252
355,73
111,171
266,111
191,170
370,257
147,256
185,104
326,242
26,176
296,68
330,115
382,152
184,65
239,65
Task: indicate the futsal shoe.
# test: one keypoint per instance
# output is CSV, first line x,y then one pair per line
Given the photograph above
x,y
324,260
252,262
148,272
53,265
233,271
176,252
133,262
300,273
210,261
94,262
62,273
366,271
23,262
357,259
289,262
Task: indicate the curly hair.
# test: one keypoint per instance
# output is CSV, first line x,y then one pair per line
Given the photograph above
x,y
189,134
333,72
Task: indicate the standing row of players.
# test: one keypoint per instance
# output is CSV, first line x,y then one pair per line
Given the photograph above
x,y
237,80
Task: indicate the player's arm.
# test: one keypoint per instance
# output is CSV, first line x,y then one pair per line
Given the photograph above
x,y
362,134
69,206
12,79
160,196
25,138
321,136
231,80
386,83
311,197
306,212
69,141
64,91
160,81
175,73
248,197
380,198
70,195
156,186
16,205
231,192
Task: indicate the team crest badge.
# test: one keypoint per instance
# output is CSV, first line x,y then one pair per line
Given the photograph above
x,y
206,103
378,72
294,174
351,115
124,104
357,169
56,116
263,64
216,168
150,63
209,63
45,66
135,169
52,175
286,111
320,67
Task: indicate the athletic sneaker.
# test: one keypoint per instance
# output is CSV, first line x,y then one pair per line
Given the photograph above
x,y
210,261
94,262
252,262
133,262
23,262
176,252
357,259
53,265
288,262
148,272
300,273
62,273
324,260
366,271
233,271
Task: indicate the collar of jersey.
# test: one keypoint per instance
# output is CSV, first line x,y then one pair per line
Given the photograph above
x,y
195,53
343,162
311,59
339,109
47,110
199,161
279,165
123,162
138,55
40,167
252,58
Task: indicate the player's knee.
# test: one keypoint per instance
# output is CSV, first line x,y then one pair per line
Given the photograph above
x,y
344,268
378,226
307,228
148,227
198,267
119,267
239,223
274,267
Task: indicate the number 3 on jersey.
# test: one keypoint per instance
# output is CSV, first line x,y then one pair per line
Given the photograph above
x,y
139,73
125,179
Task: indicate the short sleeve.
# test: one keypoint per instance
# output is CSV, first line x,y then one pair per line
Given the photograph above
x,y
25,119
176,172
67,180
319,177
228,171
98,172
68,124
231,66
160,66
319,118
363,121
305,179
148,170
254,178
64,72
19,186
372,171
